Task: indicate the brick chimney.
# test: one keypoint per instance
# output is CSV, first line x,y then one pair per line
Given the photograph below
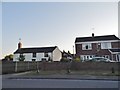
x,y
93,35
19,45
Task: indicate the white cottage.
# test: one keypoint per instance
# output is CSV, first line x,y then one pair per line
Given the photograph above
x,y
38,53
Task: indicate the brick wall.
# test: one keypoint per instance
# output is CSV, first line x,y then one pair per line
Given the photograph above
x,y
94,51
115,44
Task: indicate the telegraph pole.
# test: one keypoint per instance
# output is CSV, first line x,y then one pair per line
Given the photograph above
x,y
73,51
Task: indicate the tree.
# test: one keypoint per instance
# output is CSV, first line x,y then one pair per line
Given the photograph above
x,y
8,57
64,59
21,57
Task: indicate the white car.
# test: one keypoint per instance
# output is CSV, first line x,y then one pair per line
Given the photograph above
x,y
100,59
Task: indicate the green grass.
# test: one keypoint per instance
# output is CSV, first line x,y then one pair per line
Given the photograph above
x,y
98,73
64,72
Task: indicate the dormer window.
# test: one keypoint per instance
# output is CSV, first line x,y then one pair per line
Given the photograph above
x,y
86,46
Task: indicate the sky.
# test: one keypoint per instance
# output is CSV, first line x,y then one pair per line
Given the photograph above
x,y
40,24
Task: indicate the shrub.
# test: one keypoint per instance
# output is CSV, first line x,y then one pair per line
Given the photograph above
x,y
64,60
77,59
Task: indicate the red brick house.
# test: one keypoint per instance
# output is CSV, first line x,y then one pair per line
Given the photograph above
x,y
107,46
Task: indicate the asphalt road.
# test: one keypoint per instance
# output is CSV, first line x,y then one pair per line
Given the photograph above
x,y
58,83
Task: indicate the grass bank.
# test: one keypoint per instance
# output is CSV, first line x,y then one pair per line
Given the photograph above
x,y
73,72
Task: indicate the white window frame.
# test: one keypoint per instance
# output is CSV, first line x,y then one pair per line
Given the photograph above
x,y
89,46
85,57
106,45
118,57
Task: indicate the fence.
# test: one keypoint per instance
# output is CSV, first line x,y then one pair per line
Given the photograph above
x,y
12,67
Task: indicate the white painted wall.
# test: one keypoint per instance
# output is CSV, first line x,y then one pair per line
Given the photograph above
x,y
57,55
41,55
29,56
15,56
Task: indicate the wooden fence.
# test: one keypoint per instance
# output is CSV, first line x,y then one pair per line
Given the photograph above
x,y
12,67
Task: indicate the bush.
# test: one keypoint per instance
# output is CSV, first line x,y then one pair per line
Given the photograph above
x,y
21,57
64,60
77,59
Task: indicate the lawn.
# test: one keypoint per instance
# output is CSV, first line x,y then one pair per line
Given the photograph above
x,y
74,72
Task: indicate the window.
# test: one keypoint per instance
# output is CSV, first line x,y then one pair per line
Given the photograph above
x,y
106,45
34,54
82,57
118,57
98,46
45,54
103,56
33,59
43,59
87,57
107,56
86,46
91,56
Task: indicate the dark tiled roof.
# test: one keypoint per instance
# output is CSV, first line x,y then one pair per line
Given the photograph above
x,y
115,50
96,38
35,50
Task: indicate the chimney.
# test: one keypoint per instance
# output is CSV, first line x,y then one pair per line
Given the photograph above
x,y
93,35
19,45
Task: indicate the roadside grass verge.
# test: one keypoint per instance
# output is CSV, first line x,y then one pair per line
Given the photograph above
x,y
73,72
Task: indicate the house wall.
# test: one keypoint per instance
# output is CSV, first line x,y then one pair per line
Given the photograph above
x,y
94,50
15,57
115,44
79,50
56,55
29,56
41,55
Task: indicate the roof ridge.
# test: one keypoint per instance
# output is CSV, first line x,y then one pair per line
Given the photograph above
x,y
40,47
35,49
97,38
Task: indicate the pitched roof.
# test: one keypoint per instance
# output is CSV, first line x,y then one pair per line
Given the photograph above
x,y
35,50
97,38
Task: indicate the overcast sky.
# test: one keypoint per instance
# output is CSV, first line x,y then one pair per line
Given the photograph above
x,y
55,24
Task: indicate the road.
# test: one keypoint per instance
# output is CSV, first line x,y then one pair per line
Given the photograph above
x,y
58,83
